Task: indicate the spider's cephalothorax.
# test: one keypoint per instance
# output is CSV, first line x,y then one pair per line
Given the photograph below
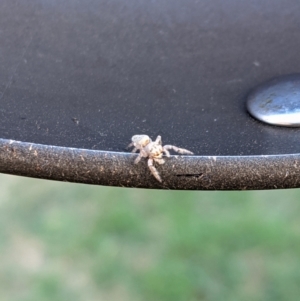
x,y
153,150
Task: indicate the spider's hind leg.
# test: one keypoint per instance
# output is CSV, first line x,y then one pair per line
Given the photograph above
x,y
135,149
138,158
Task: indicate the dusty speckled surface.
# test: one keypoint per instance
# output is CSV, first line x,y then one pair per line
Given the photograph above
x,y
179,172
91,74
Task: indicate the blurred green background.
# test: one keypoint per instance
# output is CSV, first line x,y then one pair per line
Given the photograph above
x,y
63,241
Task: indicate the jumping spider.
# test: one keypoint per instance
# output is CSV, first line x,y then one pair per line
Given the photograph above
x,y
153,150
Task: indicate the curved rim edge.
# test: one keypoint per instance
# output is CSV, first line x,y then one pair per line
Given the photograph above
x,y
179,172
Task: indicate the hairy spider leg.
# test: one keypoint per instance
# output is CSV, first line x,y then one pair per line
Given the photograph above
x,y
138,159
177,149
154,170
158,140
140,156
135,148
166,152
159,161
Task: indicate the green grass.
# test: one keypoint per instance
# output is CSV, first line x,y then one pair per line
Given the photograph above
x,y
62,241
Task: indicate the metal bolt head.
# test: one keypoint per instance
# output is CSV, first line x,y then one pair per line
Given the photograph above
x,y
277,101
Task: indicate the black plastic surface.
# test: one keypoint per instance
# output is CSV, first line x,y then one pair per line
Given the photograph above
x,y
90,74
79,78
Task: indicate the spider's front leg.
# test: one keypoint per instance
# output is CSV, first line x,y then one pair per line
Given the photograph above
x,y
160,161
158,140
177,150
166,152
154,170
